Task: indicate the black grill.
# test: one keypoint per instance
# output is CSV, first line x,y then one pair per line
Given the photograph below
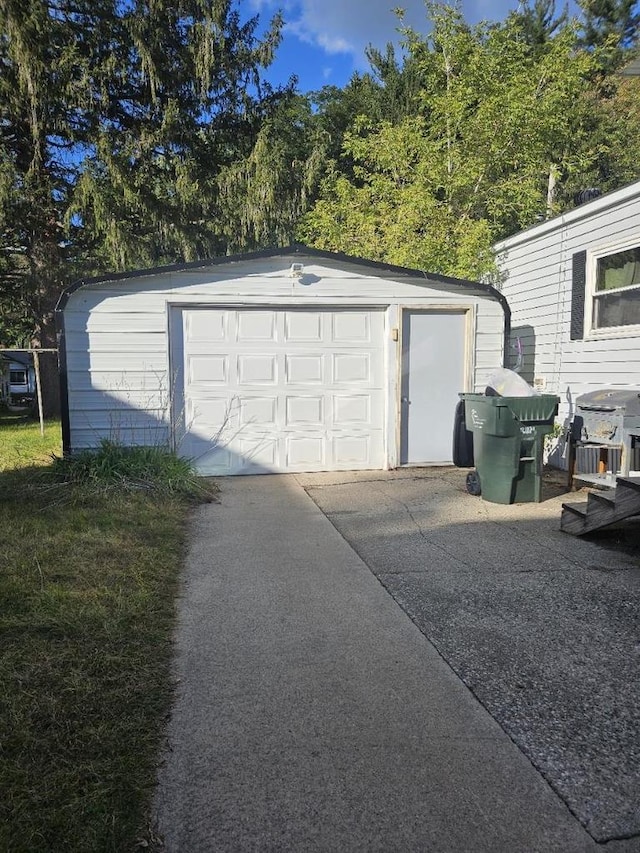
x,y
606,426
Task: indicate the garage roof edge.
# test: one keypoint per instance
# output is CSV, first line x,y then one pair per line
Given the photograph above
x,y
292,250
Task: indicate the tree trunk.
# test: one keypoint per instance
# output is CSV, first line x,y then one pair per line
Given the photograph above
x,y
551,190
50,384
47,273
45,338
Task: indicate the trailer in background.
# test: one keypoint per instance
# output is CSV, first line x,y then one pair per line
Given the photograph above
x,y
18,382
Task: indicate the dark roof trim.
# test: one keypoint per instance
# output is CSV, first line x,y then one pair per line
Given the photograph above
x,y
295,249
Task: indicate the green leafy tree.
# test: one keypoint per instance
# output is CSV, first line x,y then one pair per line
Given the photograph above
x,y
192,104
607,138
495,129
392,209
389,91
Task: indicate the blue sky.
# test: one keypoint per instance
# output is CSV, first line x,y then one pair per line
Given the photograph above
x,y
324,40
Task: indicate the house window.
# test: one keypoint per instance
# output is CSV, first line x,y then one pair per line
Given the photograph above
x,y
18,377
616,289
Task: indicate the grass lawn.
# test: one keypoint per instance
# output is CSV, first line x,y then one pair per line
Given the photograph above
x,y
88,579
22,445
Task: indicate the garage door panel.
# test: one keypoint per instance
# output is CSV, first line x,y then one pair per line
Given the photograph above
x,y
303,369
304,411
259,450
303,327
206,327
353,368
350,409
256,326
208,369
351,327
219,461
257,369
207,416
283,390
250,454
258,410
305,452
352,450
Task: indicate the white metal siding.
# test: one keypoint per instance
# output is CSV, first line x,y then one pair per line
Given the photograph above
x,y
538,267
120,378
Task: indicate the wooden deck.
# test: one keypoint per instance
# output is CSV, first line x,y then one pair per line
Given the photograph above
x,y
602,508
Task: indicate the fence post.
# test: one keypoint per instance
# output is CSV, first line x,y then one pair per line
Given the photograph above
x,y
36,364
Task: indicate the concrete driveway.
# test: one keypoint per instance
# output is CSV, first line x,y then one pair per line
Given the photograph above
x,y
542,627
490,702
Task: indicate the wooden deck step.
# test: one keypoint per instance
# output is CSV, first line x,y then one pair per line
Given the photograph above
x,y
627,497
607,499
573,518
602,508
579,510
629,482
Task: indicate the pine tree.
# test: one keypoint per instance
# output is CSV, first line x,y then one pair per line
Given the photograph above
x,y
611,26
540,22
116,119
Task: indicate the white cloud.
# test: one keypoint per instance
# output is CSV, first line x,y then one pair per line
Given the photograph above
x,y
330,42
344,26
348,26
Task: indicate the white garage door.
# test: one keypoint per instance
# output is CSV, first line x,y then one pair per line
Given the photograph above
x,y
281,390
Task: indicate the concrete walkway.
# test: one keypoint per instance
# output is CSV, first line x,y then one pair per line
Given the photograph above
x,y
312,714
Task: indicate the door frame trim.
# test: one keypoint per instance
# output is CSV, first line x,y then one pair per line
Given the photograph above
x,y
470,312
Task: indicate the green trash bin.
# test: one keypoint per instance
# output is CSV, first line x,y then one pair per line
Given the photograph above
x,y
508,444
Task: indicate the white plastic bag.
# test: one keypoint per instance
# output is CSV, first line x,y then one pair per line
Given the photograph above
x,y
507,383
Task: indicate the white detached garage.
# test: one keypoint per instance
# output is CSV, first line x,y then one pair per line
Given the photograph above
x,y
290,360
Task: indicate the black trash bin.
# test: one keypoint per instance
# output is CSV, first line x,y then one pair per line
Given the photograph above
x,y
462,439
508,444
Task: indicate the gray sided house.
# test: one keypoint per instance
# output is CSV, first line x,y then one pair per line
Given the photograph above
x,y
573,286
289,360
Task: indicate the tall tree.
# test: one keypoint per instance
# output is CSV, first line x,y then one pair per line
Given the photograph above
x,y
390,91
193,104
607,138
116,117
611,25
496,125
540,22
262,196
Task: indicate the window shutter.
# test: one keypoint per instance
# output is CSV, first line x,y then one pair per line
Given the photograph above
x,y
578,282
